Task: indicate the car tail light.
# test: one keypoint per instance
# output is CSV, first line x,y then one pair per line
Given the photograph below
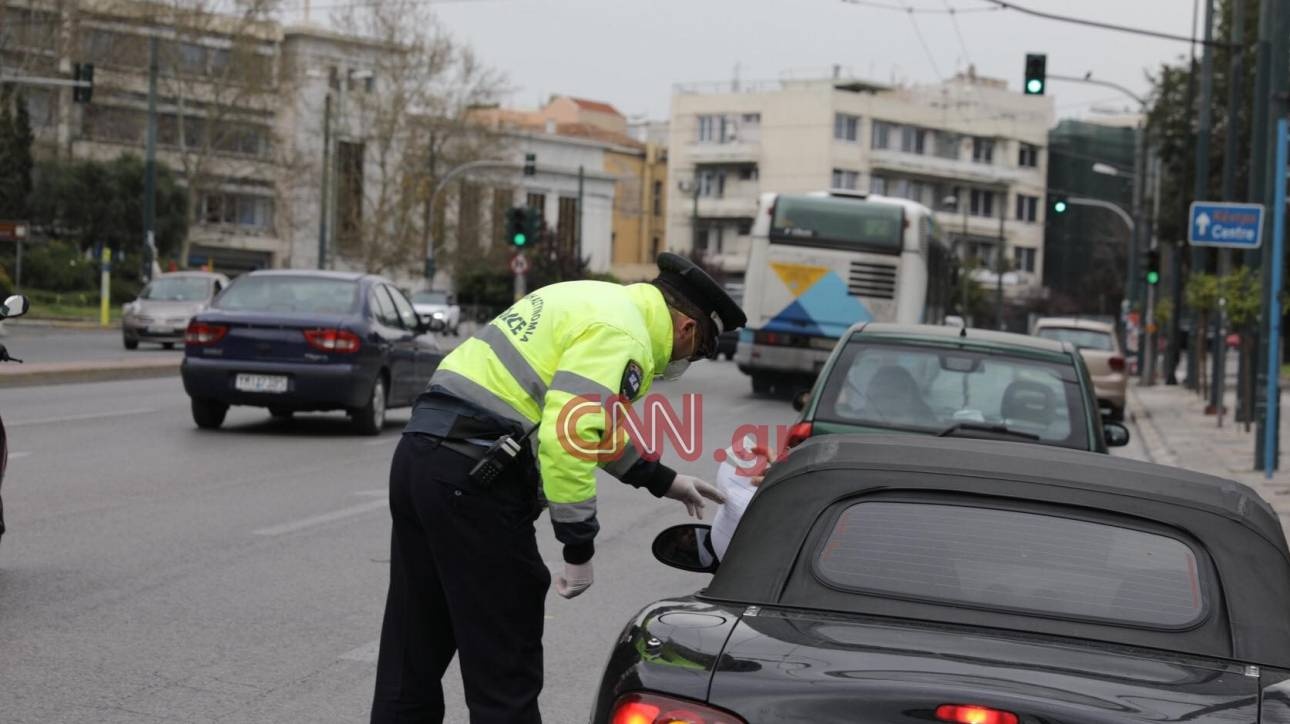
x,y
202,334
965,714
657,709
1117,363
797,435
333,340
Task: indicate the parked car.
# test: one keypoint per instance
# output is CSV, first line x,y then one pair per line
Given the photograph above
x,y
1098,345
296,341
438,308
914,580
727,343
938,380
161,312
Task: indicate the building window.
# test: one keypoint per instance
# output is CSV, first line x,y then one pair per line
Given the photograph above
x,y
709,129
946,144
882,134
747,173
658,198
712,184
724,128
349,195
1028,156
567,222
846,127
983,150
750,119
843,179
236,209
982,203
1024,259
1027,207
654,249
878,185
503,198
913,140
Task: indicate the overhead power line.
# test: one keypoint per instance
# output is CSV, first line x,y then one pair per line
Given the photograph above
x,y
923,41
955,22
1006,5
878,5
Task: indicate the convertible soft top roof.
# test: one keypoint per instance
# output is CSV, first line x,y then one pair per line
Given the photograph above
x,y
1237,528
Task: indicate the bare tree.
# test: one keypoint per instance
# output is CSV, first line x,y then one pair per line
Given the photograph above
x,y
417,126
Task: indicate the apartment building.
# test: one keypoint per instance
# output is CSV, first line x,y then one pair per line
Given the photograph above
x,y
969,149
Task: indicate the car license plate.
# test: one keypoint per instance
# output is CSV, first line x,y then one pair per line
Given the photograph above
x,y
275,384
160,329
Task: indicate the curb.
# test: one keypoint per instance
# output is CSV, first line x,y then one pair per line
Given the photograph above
x,y
87,372
1153,441
61,324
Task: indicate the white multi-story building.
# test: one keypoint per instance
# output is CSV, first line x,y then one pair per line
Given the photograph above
x,y
969,148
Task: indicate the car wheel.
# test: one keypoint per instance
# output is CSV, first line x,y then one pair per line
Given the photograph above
x,y
167,345
456,331
762,384
130,343
279,413
730,356
208,414
370,418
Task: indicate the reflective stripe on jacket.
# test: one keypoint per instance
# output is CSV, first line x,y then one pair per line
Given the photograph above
x,y
558,356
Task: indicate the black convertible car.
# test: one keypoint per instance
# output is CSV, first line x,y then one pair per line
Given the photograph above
x,y
926,580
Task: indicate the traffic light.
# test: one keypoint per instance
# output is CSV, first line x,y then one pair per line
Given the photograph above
x,y
1036,74
1152,267
83,72
1058,204
533,225
530,164
517,222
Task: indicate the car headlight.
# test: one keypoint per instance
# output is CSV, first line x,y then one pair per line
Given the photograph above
x,y
438,315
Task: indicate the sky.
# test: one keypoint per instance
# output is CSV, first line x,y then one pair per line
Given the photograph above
x,y
631,52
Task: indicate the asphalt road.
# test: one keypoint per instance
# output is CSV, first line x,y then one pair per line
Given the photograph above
x,y
33,342
156,573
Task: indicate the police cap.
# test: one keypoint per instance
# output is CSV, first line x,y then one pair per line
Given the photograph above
x,y
701,297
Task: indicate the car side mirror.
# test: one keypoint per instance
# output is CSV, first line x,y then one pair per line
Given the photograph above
x,y
1115,434
801,399
15,306
686,547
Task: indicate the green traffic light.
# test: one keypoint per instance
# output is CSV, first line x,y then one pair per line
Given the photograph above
x,y
1034,85
1153,277
520,239
1060,207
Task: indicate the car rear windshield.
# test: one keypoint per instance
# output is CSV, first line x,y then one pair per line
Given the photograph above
x,y
290,294
177,289
837,222
1081,338
935,389
1013,560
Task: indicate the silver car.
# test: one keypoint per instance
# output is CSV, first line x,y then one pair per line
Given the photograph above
x,y
162,311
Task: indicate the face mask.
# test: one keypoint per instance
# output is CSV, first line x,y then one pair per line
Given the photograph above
x,y
675,369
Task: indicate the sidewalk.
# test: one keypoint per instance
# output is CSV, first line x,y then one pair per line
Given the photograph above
x,y
1170,423
52,373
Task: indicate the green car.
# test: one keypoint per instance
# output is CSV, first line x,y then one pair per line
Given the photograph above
x,y
956,382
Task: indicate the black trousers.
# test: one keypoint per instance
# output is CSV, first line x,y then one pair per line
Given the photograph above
x,y
465,578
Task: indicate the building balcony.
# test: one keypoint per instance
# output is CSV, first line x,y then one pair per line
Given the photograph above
x,y
952,225
962,169
728,207
735,152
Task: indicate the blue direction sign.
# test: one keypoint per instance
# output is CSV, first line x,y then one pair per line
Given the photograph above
x,y
1235,226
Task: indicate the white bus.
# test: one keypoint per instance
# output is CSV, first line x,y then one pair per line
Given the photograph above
x,y
823,261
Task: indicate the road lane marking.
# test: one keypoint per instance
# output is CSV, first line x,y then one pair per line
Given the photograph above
x,y
79,418
19,455
366,653
335,515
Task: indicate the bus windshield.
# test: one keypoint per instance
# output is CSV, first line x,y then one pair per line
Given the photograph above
x,y
841,223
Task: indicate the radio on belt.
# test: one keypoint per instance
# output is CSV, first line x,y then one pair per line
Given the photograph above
x,y
496,460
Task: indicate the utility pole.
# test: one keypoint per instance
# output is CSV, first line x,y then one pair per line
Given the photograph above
x,y
150,169
1275,31
1175,258
1201,189
999,263
1235,80
1136,239
326,182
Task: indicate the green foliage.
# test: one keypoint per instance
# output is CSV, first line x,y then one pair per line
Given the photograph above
x,y
1164,311
1201,292
91,203
979,305
58,266
15,155
1243,290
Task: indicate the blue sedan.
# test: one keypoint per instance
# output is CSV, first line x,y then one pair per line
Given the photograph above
x,y
295,341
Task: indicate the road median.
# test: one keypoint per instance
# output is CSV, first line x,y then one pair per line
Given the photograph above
x,y
58,373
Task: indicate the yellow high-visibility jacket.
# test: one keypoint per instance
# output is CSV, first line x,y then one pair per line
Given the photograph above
x,y
558,356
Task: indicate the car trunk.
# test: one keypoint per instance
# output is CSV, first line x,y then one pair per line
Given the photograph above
x,y
837,668
272,337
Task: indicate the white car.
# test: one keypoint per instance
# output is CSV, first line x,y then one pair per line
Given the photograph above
x,y
439,309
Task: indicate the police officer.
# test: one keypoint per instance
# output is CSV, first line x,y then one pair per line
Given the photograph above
x,y
465,573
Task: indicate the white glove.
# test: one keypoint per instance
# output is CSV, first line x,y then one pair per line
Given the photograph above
x,y
576,578
691,491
